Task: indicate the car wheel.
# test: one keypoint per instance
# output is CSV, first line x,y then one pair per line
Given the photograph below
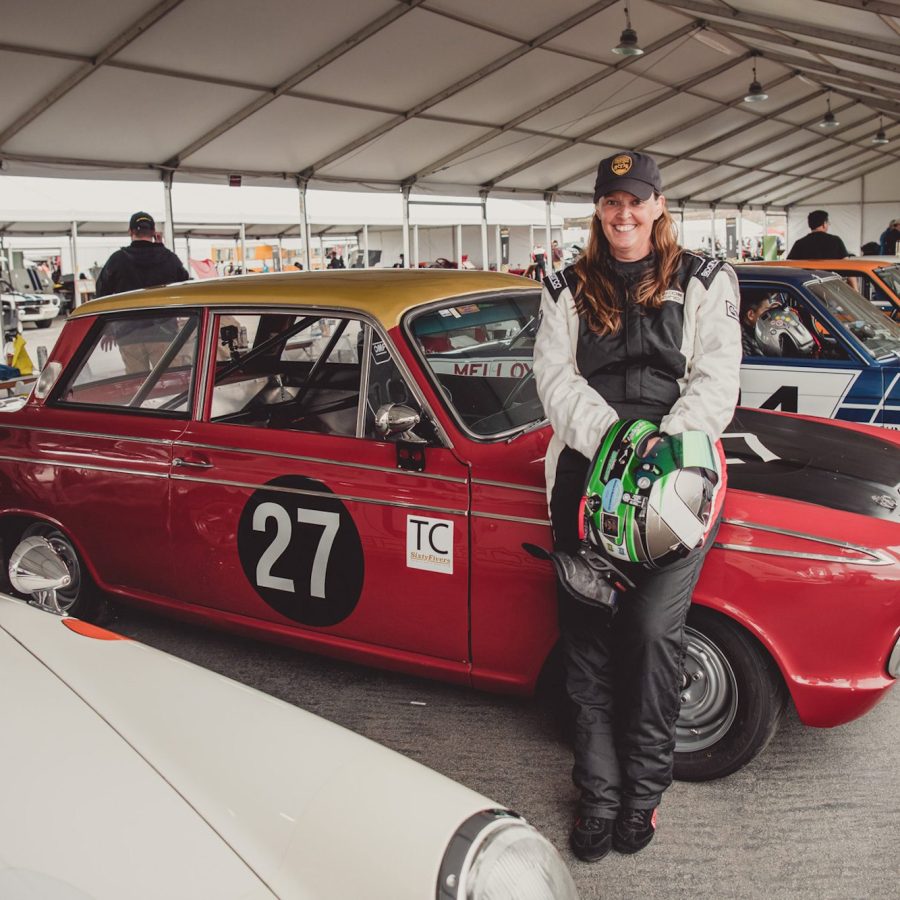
x,y
732,698
81,598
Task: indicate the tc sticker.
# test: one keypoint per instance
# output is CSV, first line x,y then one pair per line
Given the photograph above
x,y
301,552
429,544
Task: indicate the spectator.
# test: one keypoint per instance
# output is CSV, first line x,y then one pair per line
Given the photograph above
x,y
143,263
335,261
871,248
539,258
890,238
556,255
818,244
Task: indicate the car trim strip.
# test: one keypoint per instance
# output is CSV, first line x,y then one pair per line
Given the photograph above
x,y
307,493
875,557
506,518
162,442
316,459
506,484
86,466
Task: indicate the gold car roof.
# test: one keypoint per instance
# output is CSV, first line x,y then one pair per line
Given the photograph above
x,y
384,294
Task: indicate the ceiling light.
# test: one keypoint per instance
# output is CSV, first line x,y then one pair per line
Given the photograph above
x,y
628,40
755,93
828,120
880,136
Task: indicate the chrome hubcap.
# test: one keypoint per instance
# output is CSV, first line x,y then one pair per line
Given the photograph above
x,y
709,695
65,597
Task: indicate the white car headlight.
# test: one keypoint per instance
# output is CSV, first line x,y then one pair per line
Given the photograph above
x,y
495,855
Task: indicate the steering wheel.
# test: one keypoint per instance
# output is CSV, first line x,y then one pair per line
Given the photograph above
x,y
513,396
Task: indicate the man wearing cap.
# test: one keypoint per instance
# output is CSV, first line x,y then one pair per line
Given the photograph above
x,y
143,263
818,244
890,239
636,328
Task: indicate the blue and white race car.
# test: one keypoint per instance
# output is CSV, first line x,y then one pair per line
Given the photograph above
x,y
849,370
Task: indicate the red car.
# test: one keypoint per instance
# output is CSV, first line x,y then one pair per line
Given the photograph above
x,y
291,456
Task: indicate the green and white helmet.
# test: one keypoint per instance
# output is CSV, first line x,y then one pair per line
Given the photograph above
x,y
649,508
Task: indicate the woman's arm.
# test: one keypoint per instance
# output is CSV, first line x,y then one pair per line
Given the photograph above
x,y
713,373
578,414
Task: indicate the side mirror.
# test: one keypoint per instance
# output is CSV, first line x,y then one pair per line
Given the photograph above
x,y
396,418
35,568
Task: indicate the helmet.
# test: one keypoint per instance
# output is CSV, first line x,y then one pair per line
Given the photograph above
x,y
779,332
654,507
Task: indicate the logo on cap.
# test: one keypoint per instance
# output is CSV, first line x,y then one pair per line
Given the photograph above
x,y
621,165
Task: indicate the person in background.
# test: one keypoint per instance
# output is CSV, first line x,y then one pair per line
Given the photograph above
x,y
752,307
556,255
143,263
637,328
335,261
871,248
539,258
890,238
818,244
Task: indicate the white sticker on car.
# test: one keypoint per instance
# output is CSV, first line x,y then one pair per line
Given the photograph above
x,y
429,544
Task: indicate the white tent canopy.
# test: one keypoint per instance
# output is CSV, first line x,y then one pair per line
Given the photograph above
x,y
513,97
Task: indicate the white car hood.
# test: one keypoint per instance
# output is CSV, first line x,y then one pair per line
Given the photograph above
x,y
313,809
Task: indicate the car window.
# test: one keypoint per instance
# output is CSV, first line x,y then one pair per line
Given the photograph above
x,y
136,362
877,333
480,354
304,373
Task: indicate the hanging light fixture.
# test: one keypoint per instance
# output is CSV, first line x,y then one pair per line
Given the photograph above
x,y
880,136
828,120
628,40
755,93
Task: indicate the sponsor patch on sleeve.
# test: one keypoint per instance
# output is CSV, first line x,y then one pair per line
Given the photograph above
x,y
673,296
555,284
731,309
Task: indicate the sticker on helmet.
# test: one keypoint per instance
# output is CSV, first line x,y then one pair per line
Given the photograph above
x,y
301,551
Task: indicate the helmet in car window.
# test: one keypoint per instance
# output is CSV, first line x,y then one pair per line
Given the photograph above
x,y
779,332
650,507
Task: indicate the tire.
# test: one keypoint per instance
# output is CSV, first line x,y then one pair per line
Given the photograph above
x,y
44,323
733,697
81,599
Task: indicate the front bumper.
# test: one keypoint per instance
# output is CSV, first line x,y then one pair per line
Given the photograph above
x,y
40,314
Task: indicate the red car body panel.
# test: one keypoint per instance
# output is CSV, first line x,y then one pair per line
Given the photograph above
x,y
154,507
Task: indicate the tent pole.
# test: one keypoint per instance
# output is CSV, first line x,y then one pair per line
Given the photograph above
x,y
712,230
187,250
169,232
548,232
365,246
498,248
302,184
243,249
740,232
406,188
459,253
415,247
76,292
485,262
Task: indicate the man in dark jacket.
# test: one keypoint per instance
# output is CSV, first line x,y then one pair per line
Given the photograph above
x,y
818,244
142,264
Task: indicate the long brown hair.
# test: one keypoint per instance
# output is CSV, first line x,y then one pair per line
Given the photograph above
x,y
599,286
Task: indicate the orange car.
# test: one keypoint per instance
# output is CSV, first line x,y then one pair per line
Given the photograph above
x,y
875,277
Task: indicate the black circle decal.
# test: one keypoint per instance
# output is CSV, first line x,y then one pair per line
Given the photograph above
x,y
301,552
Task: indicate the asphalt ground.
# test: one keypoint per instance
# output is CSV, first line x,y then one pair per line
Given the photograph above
x,y
814,816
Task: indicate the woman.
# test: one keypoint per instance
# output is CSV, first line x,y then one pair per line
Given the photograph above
x,y
636,328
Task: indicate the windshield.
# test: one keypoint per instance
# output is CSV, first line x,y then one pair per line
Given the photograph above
x,y
480,354
890,275
877,333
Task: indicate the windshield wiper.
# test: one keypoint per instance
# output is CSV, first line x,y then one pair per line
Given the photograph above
x,y
531,426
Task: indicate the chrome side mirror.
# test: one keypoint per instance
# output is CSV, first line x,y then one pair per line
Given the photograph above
x,y
35,568
396,418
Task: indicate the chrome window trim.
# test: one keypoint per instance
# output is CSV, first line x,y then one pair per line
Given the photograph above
x,y
205,353
405,323
506,518
318,459
506,484
307,493
875,557
85,466
363,404
344,312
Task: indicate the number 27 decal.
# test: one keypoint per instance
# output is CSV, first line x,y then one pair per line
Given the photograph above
x,y
329,522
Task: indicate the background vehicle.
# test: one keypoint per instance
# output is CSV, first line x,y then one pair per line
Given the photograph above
x,y
181,783
852,372
314,473
41,309
876,278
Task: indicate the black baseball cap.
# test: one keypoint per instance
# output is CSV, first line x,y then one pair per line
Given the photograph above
x,y
141,221
636,173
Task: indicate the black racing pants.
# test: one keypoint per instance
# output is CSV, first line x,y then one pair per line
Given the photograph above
x,y
623,675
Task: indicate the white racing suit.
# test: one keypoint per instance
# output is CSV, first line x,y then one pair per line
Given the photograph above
x,y
678,366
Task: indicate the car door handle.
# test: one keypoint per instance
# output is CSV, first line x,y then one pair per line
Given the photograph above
x,y
192,463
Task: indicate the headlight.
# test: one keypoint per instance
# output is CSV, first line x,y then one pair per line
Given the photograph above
x,y
495,855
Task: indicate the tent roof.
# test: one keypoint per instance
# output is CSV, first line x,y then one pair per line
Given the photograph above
x,y
452,96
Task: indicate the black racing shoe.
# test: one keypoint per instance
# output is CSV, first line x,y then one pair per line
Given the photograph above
x,y
591,838
634,829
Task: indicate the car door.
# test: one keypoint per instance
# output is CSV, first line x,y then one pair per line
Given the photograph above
x,y
100,447
292,513
818,383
